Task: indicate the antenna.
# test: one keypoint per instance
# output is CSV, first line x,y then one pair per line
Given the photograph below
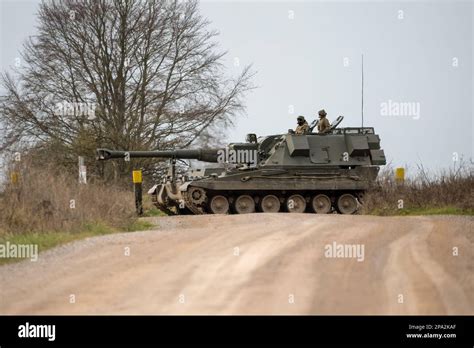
x,y
362,91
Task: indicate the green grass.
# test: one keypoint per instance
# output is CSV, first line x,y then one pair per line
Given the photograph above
x,y
138,225
153,211
47,240
448,210
437,211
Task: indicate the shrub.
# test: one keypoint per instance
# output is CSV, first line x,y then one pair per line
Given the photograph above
x,y
48,199
447,191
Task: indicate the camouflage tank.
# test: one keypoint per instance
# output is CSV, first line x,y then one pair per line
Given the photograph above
x,y
320,173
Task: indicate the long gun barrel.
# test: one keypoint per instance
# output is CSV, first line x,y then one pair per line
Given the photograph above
x,y
201,154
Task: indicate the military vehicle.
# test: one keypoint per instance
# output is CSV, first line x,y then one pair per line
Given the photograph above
x,y
320,173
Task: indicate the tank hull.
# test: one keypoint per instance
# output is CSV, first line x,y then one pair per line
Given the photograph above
x,y
196,196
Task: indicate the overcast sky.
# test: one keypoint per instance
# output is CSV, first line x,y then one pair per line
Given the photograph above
x,y
307,56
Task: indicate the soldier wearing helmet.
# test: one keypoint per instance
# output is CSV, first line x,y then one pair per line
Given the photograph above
x,y
323,124
302,127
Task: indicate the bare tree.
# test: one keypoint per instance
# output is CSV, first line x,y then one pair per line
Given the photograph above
x,y
122,74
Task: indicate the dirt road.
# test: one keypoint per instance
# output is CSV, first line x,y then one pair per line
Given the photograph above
x,y
256,264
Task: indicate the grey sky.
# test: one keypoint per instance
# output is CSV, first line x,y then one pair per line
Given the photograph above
x,y
300,55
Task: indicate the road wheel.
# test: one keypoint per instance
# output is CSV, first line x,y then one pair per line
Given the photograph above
x,y
197,195
219,205
244,205
270,204
296,204
347,204
321,204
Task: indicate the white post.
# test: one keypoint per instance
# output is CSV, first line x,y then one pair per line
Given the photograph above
x,y
82,171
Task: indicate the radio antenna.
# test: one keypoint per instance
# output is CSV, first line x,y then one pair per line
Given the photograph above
x,y
362,91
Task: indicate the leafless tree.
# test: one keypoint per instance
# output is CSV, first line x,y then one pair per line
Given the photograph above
x,y
120,74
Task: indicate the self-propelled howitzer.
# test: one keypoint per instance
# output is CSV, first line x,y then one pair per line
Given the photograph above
x,y
321,173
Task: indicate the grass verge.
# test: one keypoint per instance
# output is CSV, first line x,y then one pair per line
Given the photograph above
x,y
423,211
50,239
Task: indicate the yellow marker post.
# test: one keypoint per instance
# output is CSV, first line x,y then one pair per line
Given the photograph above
x,y
400,175
137,176
137,184
14,177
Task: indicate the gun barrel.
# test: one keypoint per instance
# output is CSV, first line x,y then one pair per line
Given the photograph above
x,y
201,154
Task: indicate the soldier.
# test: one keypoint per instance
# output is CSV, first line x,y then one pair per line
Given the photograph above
x,y
323,125
302,127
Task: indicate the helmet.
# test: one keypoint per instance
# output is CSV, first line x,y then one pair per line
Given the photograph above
x,y
322,112
300,118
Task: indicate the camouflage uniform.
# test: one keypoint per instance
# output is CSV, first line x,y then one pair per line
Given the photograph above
x,y
302,128
323,125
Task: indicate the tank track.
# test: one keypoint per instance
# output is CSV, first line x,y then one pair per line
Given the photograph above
x,y
201,209
196,210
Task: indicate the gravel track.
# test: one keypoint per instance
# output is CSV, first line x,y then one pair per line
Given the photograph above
x,y
254,264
